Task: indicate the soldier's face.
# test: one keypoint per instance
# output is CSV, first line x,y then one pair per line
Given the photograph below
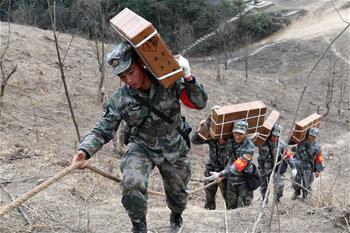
x,y
135,77
274,139
310,139
239,137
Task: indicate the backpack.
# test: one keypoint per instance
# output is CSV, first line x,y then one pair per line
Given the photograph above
x,y
252,179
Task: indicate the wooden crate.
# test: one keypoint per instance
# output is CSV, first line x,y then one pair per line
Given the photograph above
x,y
149,45
223,118
204,132
301,127
265,130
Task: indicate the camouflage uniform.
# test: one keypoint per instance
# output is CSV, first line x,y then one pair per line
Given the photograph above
x,y
152,142
218,159
266,162
234,186
308,159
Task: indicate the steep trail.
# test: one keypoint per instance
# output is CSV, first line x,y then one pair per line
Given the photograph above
x,y
312,26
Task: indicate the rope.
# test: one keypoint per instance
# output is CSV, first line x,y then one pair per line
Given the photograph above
x,y
26,196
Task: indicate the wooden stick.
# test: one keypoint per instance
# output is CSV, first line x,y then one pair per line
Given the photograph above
x,y
102,173
118,180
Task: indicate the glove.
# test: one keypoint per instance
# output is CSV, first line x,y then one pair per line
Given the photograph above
x,y
294,173
214,176
183,62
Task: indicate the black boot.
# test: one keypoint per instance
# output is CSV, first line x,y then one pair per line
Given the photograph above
x,y
278,197
175,222
296,194
139,225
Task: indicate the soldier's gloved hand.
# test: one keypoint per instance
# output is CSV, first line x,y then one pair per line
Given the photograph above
x,y
214,176
183,62
294,173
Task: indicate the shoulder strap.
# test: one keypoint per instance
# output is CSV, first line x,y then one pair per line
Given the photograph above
x,y
163,117
153,109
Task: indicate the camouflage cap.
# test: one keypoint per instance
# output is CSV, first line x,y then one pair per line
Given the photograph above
x,y
276,130
240,127
120,58
314,132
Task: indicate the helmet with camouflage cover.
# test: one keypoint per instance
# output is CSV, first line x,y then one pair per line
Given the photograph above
x,y
314,131
276,130
121,57
240,127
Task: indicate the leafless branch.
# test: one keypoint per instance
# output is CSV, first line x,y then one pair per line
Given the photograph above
x,y
308,78
340,16
226,225
69,44
5,78
53,24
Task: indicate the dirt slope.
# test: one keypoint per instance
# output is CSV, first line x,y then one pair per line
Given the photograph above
x,y
36,133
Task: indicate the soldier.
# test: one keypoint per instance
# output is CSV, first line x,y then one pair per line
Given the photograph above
x,y
308,160
239,162
152,142
266,161
219,152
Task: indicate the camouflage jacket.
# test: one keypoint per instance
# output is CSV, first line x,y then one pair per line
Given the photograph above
x,y
308,155
158,139
218,154
267,157
240,159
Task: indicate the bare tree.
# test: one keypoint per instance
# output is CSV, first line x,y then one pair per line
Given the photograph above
x,y
94,19
5,77
330,87
60,63
25,14
245,42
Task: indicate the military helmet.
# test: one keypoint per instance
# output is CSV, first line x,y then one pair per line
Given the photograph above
x,y
276,130
314,132
120,58
240,126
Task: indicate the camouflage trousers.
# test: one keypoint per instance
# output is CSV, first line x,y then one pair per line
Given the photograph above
x,y
136,167
210,193
304,178
235,192
278,184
